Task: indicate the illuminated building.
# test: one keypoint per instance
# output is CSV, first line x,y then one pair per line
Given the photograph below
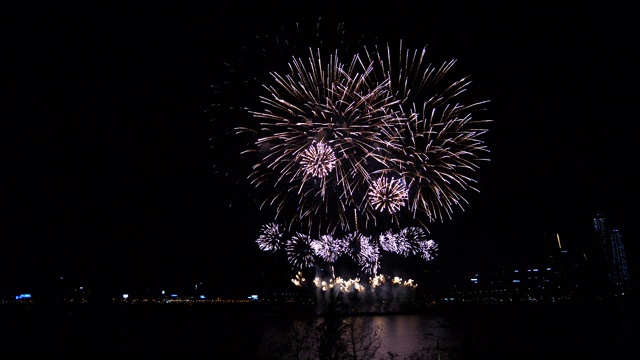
x,y
619,272
609,259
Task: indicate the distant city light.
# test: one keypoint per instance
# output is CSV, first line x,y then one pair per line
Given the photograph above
x,y
125,296
23,296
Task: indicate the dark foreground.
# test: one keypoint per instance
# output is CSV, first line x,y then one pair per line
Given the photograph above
x,y
594,330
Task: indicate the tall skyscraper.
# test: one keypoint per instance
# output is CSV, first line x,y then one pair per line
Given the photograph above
x,y
609,257
619,274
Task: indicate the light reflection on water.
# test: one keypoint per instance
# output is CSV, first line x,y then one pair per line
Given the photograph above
x,y
408,334
589,330
400,334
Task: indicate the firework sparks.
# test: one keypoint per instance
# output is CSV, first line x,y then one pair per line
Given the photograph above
x,y
299,280
355,284
338,137
329,248
299,251
270,238
354,146
388,194
364,251
318,160
377,280
412,237
428,249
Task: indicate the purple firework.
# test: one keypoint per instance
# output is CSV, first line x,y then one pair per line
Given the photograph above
x,y
270,238
364,251
428,249
329,248
299,251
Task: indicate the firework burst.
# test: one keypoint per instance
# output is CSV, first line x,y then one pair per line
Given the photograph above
x,y
329,248
352,146
318,160
270,238
300,251
365,252
388,195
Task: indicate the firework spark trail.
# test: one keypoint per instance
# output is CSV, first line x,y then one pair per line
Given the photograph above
x,y
369,135
330,138
345,114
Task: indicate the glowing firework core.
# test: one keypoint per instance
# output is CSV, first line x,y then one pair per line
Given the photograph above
x,y
318,159
388,194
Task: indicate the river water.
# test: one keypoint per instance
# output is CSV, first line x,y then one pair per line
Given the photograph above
x,y
462,332
517,331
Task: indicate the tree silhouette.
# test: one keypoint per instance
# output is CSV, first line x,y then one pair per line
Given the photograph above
x,y
331,340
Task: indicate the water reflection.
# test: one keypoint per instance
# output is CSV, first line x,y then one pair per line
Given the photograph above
x,y
402,335
412,334
523,331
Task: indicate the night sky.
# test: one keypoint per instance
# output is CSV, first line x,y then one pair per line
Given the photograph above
x,y
108,169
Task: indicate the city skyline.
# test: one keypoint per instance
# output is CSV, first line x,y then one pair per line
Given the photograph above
x,y
111,174
596,270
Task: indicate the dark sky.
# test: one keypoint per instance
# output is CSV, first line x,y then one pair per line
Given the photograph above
x,y
109,173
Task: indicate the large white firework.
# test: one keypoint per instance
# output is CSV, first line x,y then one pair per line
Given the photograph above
x,y
336,138
359,144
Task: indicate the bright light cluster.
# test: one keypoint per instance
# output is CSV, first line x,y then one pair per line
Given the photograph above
x,y
270,238
354,285
365,251
299,251
356,149
388,194
370,132
318,159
